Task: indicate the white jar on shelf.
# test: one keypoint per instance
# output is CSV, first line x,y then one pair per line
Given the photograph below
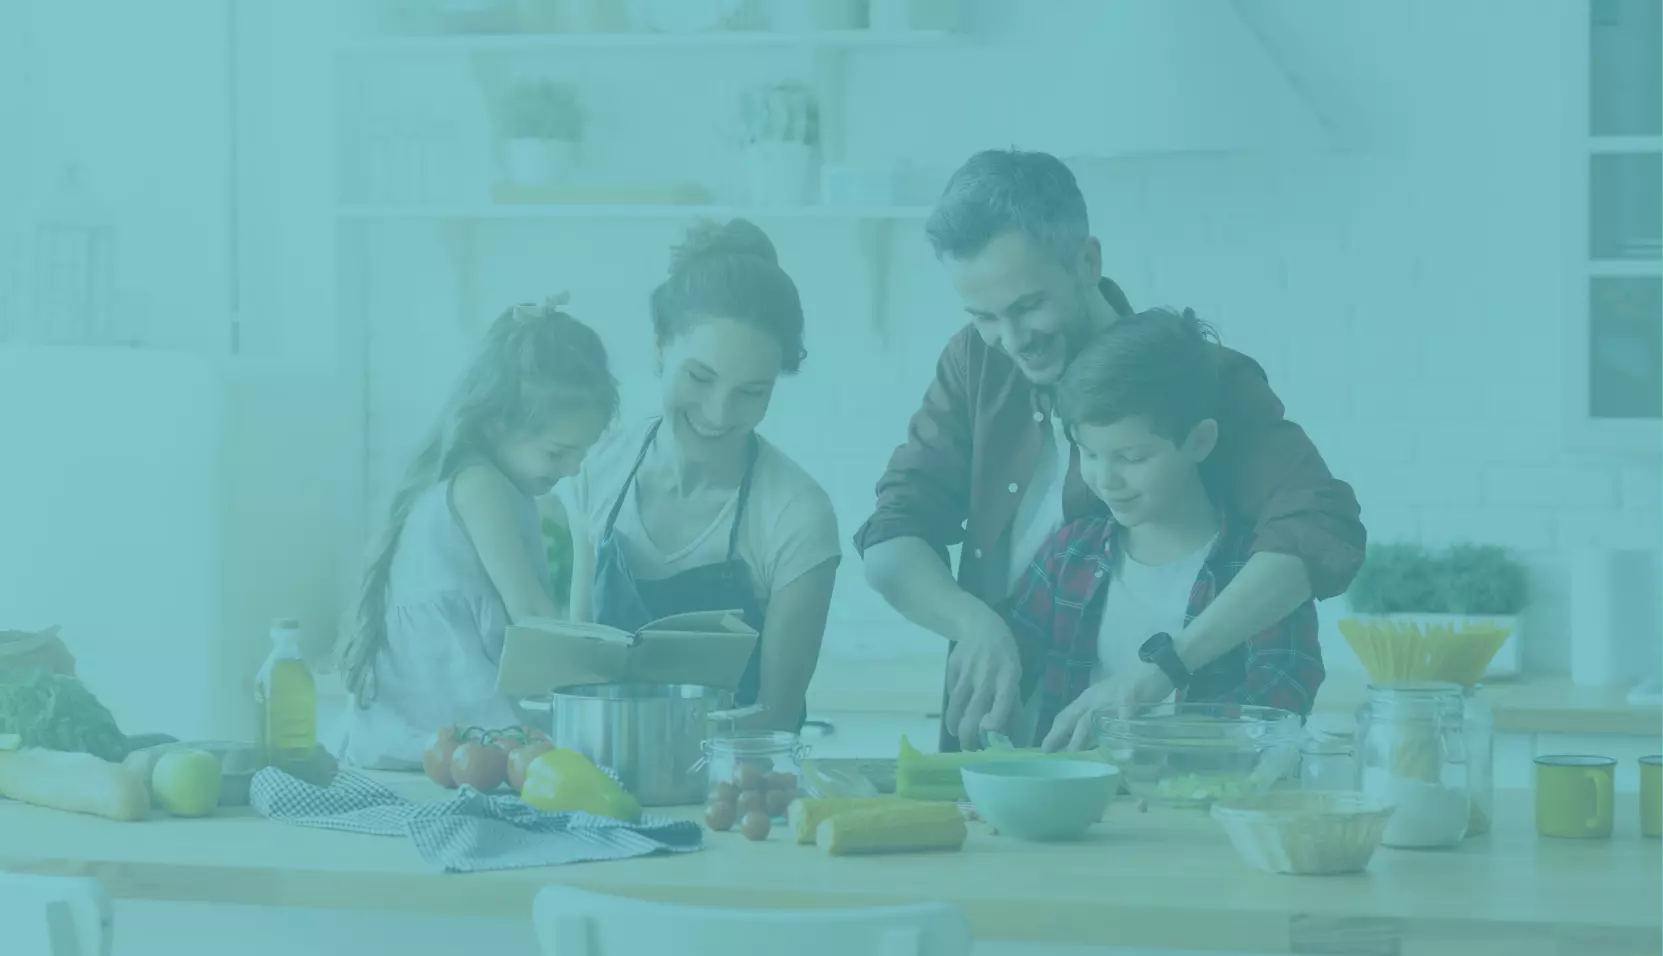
x,y
780,173
538,163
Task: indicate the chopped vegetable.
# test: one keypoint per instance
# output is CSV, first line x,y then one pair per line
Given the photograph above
x,y
57,712
1195,788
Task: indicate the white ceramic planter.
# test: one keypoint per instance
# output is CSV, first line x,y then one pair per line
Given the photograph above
x,y
914,14
780,174
538,163
809,16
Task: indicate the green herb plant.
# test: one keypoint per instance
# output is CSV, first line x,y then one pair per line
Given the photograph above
x,y
1472,579
542,109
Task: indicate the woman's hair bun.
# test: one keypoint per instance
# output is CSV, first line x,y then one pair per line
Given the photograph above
x,y
709,240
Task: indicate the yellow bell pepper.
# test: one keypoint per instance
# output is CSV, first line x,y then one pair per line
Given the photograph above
x,y
565,781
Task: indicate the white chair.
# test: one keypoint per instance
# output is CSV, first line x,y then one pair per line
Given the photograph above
x,y
54,916
573,922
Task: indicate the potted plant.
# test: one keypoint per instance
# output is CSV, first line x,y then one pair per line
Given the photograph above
x,y
1464,586
542,124
780,127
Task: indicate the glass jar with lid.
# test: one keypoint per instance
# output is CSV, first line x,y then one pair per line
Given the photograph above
x,y
1412,752
1479,721
1327,756
755,770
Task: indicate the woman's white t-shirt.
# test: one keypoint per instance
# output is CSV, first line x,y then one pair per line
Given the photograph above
x,y
788,529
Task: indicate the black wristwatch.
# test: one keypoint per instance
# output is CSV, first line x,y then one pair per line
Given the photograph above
x,y
1159,650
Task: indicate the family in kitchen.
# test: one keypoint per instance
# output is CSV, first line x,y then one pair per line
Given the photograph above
x,y
1137,520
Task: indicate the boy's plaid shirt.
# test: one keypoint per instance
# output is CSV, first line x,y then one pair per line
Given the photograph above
x,y
1056,610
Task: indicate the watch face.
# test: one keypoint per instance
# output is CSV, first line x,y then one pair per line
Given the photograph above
x,y
1152,647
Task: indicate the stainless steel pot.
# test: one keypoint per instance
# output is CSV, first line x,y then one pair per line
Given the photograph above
x,y
650,735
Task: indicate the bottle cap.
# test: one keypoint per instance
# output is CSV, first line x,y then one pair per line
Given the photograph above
x,y
285,624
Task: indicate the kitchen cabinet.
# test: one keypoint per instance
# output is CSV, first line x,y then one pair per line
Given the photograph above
x,y
1614,234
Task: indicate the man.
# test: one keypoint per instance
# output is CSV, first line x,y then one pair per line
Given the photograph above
x,y
1109,589
985,464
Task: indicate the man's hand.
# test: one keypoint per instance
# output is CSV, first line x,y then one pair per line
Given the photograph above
x,y
984,676
1131,688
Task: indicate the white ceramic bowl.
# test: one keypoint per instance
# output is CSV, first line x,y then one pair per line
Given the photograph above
x,y
1041,800
1308,832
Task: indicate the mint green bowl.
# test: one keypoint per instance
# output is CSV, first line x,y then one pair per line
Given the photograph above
x,y
1041,800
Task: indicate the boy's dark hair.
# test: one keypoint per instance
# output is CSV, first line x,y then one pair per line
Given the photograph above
x,y
1158,363
1007,190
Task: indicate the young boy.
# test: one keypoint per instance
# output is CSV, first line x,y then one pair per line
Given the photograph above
x,y
1099,610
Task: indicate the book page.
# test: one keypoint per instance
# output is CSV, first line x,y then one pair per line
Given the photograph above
x,y
699,622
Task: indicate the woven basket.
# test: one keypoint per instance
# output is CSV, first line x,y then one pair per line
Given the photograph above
x,y
1305,832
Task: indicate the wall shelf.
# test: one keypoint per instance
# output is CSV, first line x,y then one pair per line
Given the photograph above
x,y
571,42
509,211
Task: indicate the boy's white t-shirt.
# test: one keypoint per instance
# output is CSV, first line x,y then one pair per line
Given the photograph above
x,y
1142,600
789,527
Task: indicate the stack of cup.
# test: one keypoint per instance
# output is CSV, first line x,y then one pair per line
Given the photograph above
x,y
1575,796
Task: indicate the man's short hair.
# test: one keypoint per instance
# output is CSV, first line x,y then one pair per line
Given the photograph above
x,y
1008,190
1158,363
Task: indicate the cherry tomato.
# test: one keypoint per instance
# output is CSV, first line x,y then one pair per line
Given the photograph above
x,y
777,801
718,815
520,759
436,758
479,766
756,825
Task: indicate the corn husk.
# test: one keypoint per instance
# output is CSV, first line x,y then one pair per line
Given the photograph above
x,y
1409,650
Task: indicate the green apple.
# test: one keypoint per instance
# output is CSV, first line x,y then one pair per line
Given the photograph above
x,y
186,782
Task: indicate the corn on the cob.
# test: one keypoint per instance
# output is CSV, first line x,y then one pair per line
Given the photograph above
x,y
806,814
914,829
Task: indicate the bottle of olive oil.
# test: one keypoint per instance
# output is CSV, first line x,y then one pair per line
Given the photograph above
x,y
288,698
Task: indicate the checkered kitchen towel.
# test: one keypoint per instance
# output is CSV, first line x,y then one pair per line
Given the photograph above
x,y
470,831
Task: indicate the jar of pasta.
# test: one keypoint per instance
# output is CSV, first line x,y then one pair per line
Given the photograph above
x,y
1412,752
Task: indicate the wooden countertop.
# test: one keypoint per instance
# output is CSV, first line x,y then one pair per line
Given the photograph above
x,y
1532,705
1167,878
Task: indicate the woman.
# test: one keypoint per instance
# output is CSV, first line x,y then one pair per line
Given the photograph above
x,y
692,510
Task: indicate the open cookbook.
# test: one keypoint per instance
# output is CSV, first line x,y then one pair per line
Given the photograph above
x,y
702,647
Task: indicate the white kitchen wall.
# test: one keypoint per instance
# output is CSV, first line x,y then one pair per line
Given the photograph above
x,y
1403,290
137,98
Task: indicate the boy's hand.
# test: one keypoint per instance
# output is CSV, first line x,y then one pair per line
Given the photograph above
x,y
1123,693
984,673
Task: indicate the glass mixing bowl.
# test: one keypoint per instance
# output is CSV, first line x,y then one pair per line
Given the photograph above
x,y
1194,754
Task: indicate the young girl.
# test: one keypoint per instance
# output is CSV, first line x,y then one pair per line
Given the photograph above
x,y
462,556
692,510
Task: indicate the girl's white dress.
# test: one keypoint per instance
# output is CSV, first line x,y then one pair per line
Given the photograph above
x,y
445,626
